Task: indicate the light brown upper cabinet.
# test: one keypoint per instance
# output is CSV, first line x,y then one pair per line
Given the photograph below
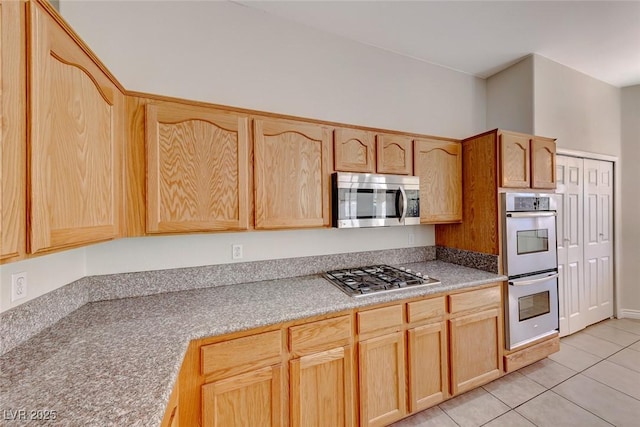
x,y
354,150
13,136
76,130
439,166
543,163
291,174
527,161
492,160
394,154
197,169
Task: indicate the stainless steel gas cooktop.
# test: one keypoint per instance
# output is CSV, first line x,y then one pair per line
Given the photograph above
x,y
376,279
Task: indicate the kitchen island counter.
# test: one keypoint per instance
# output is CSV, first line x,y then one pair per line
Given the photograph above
x,y
115,362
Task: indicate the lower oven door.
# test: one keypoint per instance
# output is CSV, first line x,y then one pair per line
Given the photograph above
x,y
532,309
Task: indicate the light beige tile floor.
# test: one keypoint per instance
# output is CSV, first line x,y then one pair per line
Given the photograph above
x,y
594,380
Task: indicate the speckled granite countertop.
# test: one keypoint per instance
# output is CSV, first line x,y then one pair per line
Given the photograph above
x,y
115,362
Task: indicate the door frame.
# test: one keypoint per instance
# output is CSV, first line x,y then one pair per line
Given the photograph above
x,y
617,216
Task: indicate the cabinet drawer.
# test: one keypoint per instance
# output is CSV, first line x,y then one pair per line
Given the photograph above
x,y
380,319
474,299
425,309
319,336
242,354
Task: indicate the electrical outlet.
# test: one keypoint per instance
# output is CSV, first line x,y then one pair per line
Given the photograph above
x,y
236,251
18,286
412,238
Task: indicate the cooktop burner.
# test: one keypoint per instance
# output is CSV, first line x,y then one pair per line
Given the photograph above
x,y
375,279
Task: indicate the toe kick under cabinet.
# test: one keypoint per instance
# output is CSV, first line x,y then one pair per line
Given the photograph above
x,y
369,367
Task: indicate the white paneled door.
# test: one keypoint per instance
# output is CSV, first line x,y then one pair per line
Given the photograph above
x,y
598,247
584,197
569,199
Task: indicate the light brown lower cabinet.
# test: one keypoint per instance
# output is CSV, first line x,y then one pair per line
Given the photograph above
x,y
475,349
382,380
322,389
428,367
252,399
368,367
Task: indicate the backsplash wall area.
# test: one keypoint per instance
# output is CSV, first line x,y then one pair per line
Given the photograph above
x,y
50,272
22,322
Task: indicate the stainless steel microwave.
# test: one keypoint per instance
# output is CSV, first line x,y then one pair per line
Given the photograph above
x,y
374,200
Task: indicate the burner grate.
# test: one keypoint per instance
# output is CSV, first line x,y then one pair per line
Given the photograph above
x,y
376,279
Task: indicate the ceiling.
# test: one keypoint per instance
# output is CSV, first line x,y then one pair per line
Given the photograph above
x,y
598,38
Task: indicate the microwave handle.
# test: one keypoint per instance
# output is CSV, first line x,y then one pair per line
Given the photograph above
x,y
404,204
533,281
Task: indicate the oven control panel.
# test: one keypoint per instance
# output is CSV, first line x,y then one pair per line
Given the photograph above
x,y
527,202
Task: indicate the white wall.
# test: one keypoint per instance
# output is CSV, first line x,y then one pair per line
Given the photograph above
x,y
510,98
581,112
630,158
227,54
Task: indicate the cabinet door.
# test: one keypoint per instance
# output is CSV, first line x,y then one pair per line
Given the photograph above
x,y
439,166
292,174
76,141
354,150
382,380
253,399
322,388
543,163
13,136
475,350
514,160
395,154
197,169
428,370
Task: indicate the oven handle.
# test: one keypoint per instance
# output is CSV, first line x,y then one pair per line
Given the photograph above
x,y
531,214
534,281
404,204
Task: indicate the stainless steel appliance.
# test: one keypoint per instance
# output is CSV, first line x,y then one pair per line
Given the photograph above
x,y
531,262
376,279
371,200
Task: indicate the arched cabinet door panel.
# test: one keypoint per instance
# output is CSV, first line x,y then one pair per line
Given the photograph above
x,y
291,174
197,169
76,139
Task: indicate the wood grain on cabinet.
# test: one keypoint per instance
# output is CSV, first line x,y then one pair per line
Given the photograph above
x,y
394,154
514,158
354,150
320,335
322,389
13,131
197,169
171,416
250,399
228,358
475,349
426,309
439,166
383,398
428,365
479,230
543,163
380,320
135,157
292,165
474,300
75,141
526,356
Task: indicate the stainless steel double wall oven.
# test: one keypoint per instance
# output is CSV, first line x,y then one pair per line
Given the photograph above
x,y
531,263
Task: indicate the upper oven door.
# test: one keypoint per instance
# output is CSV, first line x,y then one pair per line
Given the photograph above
x,y
530,242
